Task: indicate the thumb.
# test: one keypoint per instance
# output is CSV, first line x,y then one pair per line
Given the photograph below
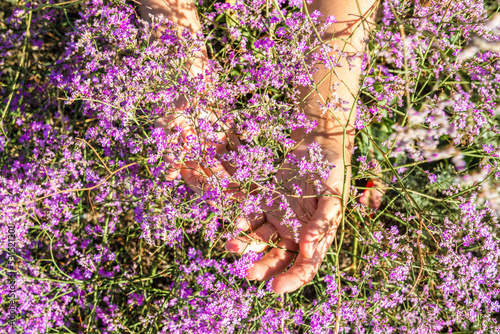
x,y
326,218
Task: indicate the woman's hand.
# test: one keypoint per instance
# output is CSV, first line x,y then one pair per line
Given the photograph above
x,y
183,13
319,215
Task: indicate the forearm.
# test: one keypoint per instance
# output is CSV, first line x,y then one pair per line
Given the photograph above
x,y
181,12
349,32
335,131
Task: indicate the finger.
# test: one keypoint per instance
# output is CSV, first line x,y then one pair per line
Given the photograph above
x,y
257,241
219,170
324,219
252,222
274,262
223,149
171,121
175,167
194,179
233,142
304,269
173,172
377,193
166,123
233,188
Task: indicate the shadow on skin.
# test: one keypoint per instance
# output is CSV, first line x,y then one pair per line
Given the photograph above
x,y
174,10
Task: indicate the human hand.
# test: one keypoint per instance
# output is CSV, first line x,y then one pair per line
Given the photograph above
x,y
177,126
183,130
319,215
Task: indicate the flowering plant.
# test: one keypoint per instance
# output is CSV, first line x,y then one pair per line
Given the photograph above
x,y
97,236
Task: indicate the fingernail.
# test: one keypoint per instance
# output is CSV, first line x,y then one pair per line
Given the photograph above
x,y
312,248
229,248
169,158
241,223
232,247
254,277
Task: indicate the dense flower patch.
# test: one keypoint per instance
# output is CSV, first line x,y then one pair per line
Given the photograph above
x,y
98,239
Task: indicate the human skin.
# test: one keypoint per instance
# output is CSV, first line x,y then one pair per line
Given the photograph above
x,y
319,215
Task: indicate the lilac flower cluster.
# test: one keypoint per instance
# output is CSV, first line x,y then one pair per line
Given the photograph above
x,y
105,242
459,287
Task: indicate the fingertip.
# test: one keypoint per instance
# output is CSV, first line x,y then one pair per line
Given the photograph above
x,y
172,175
239,245
251,222
233,246
285,284
242,224
308,242
174,169
308,248
160,122
254,274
